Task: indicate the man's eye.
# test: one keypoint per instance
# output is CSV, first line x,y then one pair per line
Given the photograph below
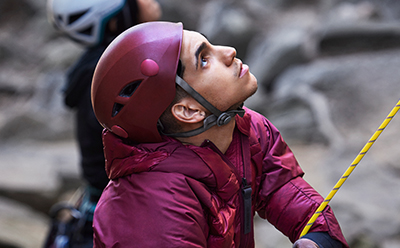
x,y
203,62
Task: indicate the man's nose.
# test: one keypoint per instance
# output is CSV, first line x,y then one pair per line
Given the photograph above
x,y
228,54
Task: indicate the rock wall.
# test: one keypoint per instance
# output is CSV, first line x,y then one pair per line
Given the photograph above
x,y
328,76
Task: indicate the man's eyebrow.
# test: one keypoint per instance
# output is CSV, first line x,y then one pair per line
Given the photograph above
x,y
198,51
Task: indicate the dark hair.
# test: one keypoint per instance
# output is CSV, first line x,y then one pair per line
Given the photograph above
x,y
181,69
169,123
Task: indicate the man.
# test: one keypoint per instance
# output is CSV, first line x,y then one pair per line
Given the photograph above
x,y
189,166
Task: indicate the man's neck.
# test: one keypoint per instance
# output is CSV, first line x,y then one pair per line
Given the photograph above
x,y
221,136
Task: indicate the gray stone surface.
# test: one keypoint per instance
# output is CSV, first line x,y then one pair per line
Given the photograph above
x,y
21,226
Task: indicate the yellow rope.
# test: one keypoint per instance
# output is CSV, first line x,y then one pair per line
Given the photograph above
x,y
350,169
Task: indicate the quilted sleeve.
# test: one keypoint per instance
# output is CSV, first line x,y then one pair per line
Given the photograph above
x,y
291,206
284,197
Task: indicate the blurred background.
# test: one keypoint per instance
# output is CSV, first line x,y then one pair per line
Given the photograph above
x,y
328,73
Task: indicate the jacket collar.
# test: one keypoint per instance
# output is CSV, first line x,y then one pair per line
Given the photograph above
x,y
123,158
243,123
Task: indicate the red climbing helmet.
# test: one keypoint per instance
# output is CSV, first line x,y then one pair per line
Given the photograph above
x,y
134,81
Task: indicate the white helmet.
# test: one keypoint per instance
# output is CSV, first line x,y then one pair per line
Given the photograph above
x,y
83,20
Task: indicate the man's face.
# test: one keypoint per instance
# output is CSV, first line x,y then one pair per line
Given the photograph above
x,y
215,72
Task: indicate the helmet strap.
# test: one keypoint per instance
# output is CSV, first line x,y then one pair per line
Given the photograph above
x,y
217,117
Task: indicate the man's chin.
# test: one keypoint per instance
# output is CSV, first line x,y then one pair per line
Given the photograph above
x,y
254,91
251,93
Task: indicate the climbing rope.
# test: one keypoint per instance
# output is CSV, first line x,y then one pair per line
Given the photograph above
x,y
350,169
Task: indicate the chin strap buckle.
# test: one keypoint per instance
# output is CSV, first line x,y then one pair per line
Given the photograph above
x,y
224,119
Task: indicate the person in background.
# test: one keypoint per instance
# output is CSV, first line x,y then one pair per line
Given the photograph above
x,y
189,164
93,24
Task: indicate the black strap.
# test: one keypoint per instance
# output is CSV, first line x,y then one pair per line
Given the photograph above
x,y
179,81
246,186
246,193
216,118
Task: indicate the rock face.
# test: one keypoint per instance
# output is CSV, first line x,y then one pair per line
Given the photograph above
x,y
328,74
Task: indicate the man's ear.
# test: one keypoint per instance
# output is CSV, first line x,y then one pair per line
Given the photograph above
x,y
188,110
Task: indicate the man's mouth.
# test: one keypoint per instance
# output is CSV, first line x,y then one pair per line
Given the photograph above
x,y
243,69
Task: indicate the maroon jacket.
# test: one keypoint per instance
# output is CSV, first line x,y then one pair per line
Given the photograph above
x,y
173,195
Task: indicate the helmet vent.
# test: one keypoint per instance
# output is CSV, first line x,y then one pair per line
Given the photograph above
x,y
73,18
87,31
129,89
126,92
116,109
59,18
